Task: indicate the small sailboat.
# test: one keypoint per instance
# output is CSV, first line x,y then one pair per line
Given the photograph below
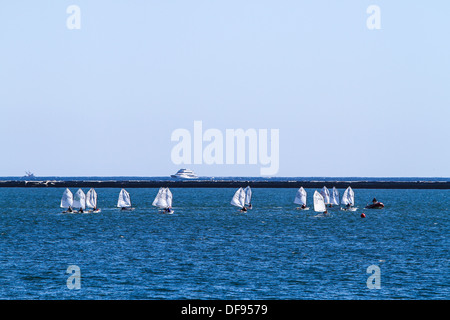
x,y
67,201
334,199
238,199
79,201
248,197
319,203
163,200
326,195
300,198
124,201
348,200
91,200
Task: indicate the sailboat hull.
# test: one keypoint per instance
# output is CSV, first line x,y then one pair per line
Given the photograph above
x,y
349,209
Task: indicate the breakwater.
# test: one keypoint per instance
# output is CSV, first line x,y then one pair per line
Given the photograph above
x,y
359,184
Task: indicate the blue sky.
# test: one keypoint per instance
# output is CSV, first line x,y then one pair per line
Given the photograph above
x,y
103,100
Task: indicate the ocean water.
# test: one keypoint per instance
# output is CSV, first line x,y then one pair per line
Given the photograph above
x,y
207,249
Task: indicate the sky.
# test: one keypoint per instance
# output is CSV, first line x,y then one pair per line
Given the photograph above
x,y
105,99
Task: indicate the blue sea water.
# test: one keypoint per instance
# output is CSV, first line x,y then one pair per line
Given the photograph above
x,y
207,249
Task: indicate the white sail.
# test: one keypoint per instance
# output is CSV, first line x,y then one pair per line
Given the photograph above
x,y
319,203
248,195
169,198
67,199
351,196
79,199
124,199
239,198
325,194
163,199
334,197
91,198
345,200
157,200
348,197
300,197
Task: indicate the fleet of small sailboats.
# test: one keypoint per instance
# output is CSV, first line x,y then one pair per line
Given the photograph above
x,y
242,198
324,199
79,201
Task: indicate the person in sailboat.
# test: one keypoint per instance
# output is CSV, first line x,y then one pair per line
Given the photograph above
x,y
167,210
69,209
244,209
81,210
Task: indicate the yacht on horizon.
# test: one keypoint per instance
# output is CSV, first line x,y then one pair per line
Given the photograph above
x,y
185,174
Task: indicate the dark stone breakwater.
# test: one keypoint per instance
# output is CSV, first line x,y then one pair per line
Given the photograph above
x,y
359,184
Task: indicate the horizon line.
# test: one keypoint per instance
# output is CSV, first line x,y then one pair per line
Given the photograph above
x,y
220,176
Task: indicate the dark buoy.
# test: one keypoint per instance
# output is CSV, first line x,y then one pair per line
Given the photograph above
x,y
363,215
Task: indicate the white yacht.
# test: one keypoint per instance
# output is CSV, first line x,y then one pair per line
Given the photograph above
x,y
184,174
